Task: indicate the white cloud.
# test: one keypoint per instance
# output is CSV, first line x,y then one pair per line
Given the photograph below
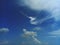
x,y
41,4
56,14
4,30
29,33
32,35
31,38
3,42
51,5
36,21
36,40
33,20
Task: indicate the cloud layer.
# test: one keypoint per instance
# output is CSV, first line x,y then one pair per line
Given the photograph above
x,y
51,5
41,4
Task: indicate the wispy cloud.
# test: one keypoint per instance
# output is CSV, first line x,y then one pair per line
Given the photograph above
x,y
31,38
37,28
36,40
29,33
36,21
4,30
32,35
55,33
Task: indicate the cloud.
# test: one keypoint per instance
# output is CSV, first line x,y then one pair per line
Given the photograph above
x,y
36,40
30,38
36,21
56,14
4,30
33,20
37,28
51,5
41,4
44,19
3,42
31,35
55,33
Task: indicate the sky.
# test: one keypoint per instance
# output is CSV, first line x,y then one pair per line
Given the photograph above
x,y
29,22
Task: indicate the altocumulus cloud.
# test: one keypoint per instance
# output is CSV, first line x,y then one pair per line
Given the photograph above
x,y
4,30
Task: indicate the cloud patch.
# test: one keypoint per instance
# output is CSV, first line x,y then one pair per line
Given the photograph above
x,y
4,30
36,21
33,20
29,33
31,36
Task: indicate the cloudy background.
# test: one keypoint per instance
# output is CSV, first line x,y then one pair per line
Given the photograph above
x,y
29,22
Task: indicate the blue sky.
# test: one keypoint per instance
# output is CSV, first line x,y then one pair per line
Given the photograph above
x,y
27,22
